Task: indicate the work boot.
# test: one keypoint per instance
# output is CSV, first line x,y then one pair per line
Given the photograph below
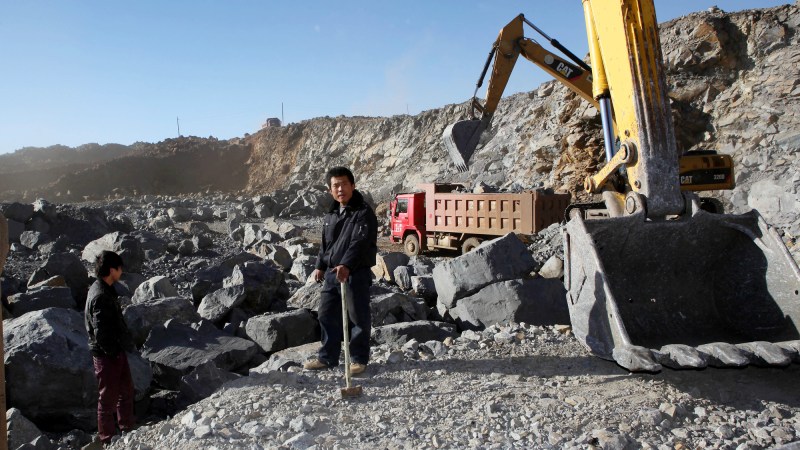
x,y
357,368
315,364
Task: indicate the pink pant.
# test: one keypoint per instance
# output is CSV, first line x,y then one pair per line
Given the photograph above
x,y
115,398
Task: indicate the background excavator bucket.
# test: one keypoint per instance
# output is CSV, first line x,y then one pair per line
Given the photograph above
x,y
706,290
460,140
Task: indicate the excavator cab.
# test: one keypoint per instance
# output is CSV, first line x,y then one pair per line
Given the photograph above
x,y
656,280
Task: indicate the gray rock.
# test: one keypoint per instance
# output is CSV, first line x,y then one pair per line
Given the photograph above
x,y
33,239
55,281
71,268
21,430
386,263
421,330
49,374
552,268
18,212
424,286
179,214
402,277
175,349
203,381
285,230
536,301
262,282
290,357
128,247
127,284
15,230
187,247
303,266
275,253
501,259
280,331
45,209
307,297
391,308
41,298
217,305
143,316
197,228
156,287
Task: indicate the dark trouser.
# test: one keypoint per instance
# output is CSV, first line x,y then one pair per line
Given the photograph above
x,y
115,398
330,317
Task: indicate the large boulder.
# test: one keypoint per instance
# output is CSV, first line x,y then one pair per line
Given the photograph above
x,y
263,284
421,330
143,316
280,331
128,247
174,349
501,259
49,372
156,287
537,301
41,298
217,305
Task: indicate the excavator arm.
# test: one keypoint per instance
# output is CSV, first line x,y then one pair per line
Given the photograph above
x,y
461,138
698,172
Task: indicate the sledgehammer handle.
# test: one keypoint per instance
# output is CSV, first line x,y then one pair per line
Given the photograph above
x,y
346,334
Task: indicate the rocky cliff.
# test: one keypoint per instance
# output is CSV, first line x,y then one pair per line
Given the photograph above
x,y
734,84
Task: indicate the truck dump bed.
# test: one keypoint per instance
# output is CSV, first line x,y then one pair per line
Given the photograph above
x,y
493,214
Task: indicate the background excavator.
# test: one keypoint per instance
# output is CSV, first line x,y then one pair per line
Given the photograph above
x,y
657,280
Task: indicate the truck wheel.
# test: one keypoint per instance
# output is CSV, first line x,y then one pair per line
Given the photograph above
x,y
411,245
470,244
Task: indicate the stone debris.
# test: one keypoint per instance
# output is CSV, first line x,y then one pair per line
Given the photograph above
x,y
218,295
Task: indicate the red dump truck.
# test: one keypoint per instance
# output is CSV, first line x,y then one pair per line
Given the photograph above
x,y
444,215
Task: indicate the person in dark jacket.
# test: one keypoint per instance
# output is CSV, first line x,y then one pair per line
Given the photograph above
x,y
109,339
347,253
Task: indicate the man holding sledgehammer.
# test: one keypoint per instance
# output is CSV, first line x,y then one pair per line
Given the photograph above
x,y
348,250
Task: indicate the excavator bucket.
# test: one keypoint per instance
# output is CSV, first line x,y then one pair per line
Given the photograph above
x,y
460,140
704,290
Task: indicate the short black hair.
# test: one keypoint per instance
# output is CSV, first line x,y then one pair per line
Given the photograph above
x,y
106,261
339,171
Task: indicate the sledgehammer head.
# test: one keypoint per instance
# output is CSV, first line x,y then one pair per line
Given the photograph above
x,y
351,392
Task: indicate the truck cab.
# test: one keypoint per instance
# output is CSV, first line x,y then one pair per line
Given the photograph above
x,y
407,221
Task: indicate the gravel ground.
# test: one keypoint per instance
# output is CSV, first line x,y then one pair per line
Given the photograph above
x,y
511,387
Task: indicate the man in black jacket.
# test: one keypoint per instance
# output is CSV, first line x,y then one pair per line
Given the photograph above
x,y
349,247
109,338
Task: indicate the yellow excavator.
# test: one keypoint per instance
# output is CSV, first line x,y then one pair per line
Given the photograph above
x,y
657,280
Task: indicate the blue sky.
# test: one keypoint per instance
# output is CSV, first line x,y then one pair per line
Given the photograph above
x,y
76,72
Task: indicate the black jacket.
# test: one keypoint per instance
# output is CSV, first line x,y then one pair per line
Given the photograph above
x,y
350,238
108,333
